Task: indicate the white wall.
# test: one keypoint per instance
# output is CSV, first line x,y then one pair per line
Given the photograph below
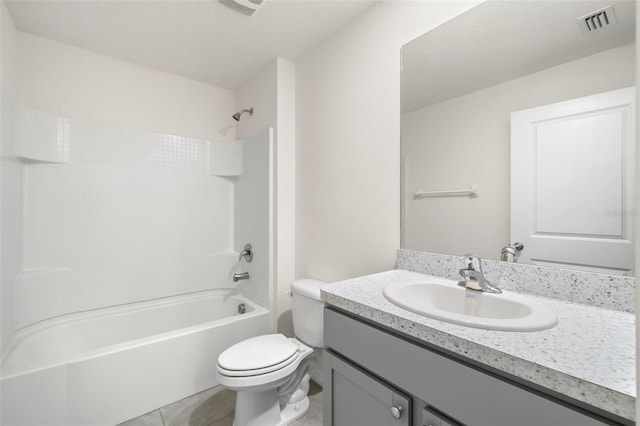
x,y
441,154
259,93
8,36
285,195
77,83
271,93
348,141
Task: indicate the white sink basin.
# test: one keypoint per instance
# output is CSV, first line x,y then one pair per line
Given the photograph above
x,y
449,302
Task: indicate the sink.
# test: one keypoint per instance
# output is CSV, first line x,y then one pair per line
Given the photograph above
x,y
446,301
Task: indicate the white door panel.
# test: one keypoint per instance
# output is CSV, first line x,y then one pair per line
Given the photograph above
x,y
572,180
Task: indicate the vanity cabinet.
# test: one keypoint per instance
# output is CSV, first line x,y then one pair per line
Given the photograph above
x,y
370,371
361,399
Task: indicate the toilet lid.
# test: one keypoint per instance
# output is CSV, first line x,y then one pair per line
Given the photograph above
x,y
259,355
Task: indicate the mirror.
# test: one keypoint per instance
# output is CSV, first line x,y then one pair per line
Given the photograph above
x,y
460,84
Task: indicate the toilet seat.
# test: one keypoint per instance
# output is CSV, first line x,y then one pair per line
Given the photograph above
x,y
258,371
273,358
258,355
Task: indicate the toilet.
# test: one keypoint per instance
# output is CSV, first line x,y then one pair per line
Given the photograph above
x,y
271,373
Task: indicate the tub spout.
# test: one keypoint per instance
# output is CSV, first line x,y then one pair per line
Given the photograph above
x,y
240,276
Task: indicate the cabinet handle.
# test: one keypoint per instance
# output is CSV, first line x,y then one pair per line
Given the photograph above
x,y
396,411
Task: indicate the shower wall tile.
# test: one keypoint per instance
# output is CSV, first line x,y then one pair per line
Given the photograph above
x,y
225,158
11,200
254,222
127,215
40,136
42,294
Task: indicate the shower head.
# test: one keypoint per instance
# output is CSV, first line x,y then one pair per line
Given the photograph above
x,y
238,114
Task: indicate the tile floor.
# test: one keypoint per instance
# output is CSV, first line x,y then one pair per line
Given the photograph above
x,y
215,407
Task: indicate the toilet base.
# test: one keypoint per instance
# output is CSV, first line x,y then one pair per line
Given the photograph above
x,y
293,412
263,409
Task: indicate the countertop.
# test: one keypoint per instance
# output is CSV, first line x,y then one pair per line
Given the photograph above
x,y
589,356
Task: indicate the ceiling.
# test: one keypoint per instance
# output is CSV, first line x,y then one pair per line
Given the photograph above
x,y
199,39
499,41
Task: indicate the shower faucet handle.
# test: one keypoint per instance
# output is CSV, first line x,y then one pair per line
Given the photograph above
x,y
247,253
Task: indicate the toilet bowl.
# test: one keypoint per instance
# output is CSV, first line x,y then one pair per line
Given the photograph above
x,y
271,373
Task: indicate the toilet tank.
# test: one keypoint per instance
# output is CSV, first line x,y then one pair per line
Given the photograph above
x,y
307,310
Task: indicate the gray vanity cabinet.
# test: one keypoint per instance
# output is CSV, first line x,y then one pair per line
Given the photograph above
x,y
358,399
367,367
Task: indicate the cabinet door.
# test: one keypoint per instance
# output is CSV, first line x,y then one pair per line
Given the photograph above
x,y
359,399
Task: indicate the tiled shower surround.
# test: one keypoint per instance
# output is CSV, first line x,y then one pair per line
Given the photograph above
x,y
11,182
96,215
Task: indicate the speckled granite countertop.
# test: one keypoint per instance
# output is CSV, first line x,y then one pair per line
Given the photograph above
x,y
589,356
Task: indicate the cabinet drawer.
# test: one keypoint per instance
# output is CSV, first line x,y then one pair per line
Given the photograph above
x,y
465,393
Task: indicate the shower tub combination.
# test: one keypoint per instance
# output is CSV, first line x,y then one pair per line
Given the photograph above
x,y
108,365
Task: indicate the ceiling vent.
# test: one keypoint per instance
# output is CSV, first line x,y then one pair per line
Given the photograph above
x,y
598,20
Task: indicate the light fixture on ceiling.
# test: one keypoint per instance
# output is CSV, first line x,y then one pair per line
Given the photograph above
x,y
246,7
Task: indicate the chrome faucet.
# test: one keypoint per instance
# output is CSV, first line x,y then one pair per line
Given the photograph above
x,y
247,253
240,276
474,278
511,252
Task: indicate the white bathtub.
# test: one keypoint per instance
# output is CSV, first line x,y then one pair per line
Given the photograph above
x,y
108,365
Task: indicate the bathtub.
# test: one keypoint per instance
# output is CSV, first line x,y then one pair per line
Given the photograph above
x,y
108,365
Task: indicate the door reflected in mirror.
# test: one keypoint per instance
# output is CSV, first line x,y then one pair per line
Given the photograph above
x,y
461,83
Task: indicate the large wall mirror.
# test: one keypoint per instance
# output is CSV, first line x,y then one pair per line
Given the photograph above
x,y
518,126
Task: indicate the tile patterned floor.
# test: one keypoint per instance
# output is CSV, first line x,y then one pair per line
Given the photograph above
x,y
215,407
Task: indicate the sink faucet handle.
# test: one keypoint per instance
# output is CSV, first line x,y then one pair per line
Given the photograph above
x,y
474,277
472,262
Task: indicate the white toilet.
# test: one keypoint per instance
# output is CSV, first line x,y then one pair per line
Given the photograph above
x,y
271,372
